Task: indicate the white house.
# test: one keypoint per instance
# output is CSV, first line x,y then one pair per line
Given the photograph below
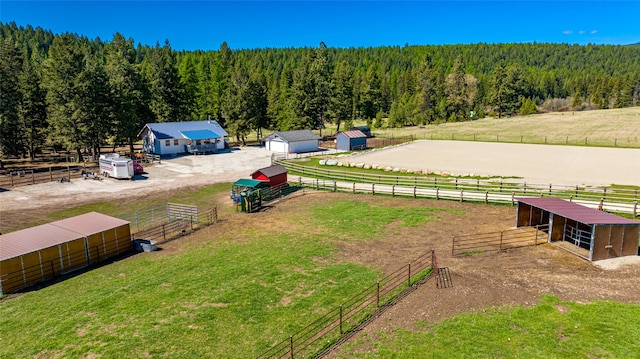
x,y
172,138
292,141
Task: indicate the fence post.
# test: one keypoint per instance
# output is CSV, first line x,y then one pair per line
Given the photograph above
x,y
461,195
409,277
525,187
164,234
453,246
550,184
378,296
393,190
354,188
513,199
414,191
340,319
335,186
456,183
635,208
373,189
437,193
291,345
50,175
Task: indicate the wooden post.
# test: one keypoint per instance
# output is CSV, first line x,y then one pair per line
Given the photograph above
x,y
393,190
373,189
409,277
437,194
513,199
461,195
50,175
414,191
341,319
486,197
335,186
291,345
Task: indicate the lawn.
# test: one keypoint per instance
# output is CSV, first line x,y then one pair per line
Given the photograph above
x,y
609,128
550,329
227,291
234,289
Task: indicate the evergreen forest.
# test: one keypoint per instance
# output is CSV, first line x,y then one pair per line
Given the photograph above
x,y
69,92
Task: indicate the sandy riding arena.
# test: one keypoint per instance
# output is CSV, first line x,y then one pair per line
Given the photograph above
x,y
536,164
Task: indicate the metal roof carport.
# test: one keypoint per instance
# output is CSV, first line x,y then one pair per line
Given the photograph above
x,y
600,234
36,254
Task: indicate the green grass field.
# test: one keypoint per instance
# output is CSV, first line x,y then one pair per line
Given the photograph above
x,y
609,128
233,289
232,292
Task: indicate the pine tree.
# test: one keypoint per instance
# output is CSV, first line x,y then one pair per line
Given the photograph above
x,y
341,106
62,70
167,93
33,107
11,133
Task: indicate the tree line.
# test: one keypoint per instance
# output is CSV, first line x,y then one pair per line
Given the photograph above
x,y
78,94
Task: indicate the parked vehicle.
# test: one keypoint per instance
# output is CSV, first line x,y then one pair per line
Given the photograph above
x,y
112,165
137,168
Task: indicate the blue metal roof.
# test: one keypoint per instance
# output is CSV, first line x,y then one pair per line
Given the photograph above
x,y
199,135
171,130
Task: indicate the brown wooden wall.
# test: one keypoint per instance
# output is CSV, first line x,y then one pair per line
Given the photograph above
x,y
613,241
47,263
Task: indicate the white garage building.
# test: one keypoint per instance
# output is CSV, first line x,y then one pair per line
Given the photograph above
x,y
292,141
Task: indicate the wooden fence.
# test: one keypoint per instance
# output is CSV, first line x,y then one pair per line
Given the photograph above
x,y
499,241
612,199
34,176
321,336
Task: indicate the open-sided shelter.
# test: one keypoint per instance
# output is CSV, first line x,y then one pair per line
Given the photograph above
x,y
298,141
172,138
351,140
600,234
276,175
36,254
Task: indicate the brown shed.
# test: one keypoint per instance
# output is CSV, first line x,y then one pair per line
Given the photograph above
x,y
36,254
588,232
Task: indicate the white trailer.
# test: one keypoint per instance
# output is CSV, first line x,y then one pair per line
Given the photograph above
x,y
112,165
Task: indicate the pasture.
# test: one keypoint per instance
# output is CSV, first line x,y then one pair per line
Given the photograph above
x,y
237,287
604,128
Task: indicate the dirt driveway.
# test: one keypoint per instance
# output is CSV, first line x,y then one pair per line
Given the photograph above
x,y
168,175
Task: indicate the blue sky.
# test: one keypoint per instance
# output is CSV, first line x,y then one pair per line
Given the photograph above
x,y
205,24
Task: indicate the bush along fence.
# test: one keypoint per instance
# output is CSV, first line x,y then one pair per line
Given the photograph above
x,y
324,334
499,241
612,199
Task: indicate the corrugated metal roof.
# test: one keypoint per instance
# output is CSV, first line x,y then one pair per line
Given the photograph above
x,y
199,135
295,136
271,171
251,183
576,211
354,134
14,244
171,130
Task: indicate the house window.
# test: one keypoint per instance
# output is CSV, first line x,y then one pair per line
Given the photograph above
x,y
197,142
206,142
175,142
167,143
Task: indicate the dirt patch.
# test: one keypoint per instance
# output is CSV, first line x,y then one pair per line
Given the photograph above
x,y
514,277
